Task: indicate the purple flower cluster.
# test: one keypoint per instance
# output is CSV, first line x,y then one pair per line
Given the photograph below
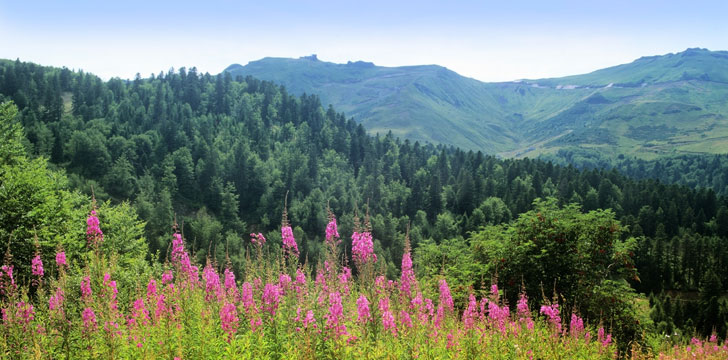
x,y
362,247
94,235
289,242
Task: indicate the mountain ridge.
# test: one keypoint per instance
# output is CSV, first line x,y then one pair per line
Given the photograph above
x,y
608,109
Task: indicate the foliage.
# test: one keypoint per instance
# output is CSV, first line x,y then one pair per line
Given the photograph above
x,y
218,154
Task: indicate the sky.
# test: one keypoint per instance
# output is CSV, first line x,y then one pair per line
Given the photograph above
x,y
486,40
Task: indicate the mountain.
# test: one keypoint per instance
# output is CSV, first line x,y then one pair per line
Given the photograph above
x,y
426,103
655,106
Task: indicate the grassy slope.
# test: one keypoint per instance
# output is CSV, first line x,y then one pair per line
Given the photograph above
x,y
654,106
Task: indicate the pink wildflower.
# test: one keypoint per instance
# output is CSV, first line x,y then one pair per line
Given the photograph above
x,y
86,288
289,242
151,288
247,296
167,277
335,317
8,285
181,258
139,312
309,319
89,319
56,301
362,309
576,327
332,232
229,318
230,280
362,247
445,297
407,280
61,259
344,278
306,321
605,340
470,313
271,298
284,282
257,239
24,312
387,317
524,312
552,312
111,284
405,319
36,266
212,283
94,235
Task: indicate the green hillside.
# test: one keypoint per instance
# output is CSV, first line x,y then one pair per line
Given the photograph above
x,y
653,107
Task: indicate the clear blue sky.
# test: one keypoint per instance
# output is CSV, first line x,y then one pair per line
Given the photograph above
x,y
486,40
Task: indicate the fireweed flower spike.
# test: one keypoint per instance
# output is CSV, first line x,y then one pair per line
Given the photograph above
x,y
61,259
332,231
94,235
257,239
362,308
37,266
289,243
407,280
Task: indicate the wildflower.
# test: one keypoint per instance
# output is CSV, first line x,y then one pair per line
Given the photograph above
x,y
362,309
111,284
257,239
139,312
89,319
362,247
336,315
86,288
332,232
470,312
24,312
61,259
552,312
36,266
576,327
230,281
247,296
94,235
284,281
387,317
300,281
605,340
445,297
56,301
405,318
229,318
9,284
167,277
407,279
271,298
308,319
344,278
181,258
524,313
212,283
151,288
289,242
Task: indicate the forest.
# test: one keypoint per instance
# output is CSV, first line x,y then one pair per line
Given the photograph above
x,y
224,158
